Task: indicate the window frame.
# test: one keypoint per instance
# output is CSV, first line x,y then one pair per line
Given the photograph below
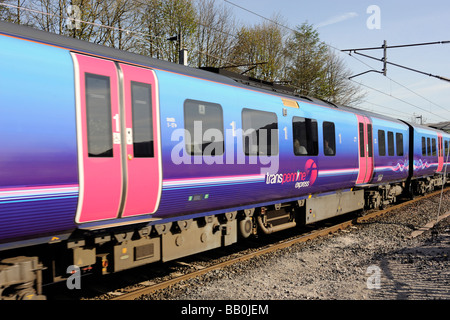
x,y
92,127
311,136
383,145
247,149
391,144
333,139
399,145
139,148
192,150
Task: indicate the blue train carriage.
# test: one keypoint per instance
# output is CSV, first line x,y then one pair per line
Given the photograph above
x,y
230,146
429,158
392,158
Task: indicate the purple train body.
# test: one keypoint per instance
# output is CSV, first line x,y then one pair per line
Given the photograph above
x,y
111,160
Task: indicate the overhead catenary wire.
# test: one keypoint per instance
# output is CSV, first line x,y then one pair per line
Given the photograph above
x,y
141,34
330,46
137,34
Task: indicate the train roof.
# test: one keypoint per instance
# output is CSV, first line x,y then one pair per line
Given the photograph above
x,y
82,46
212,74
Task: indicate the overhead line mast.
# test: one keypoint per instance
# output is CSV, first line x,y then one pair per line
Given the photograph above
x,y
385,62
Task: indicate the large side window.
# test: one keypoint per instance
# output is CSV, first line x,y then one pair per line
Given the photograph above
x,y
369,141
391,148
381,143
98,113
260,134
424,146
141,95
446,149
399,141
305,136
434,146
428,146
362,150
203,122
329,139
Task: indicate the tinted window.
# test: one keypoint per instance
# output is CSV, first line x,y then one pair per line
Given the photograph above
x,y
141,94
305,136
428,146
424,146
399,141
329,139
203,121
369,140
391,150
98,114
434,146
361,140
381,143
260,132
446,149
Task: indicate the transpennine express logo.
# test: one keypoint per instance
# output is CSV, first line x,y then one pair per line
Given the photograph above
x,y
301,179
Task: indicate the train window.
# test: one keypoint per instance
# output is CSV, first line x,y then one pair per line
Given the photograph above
x,y
446,149
305,137
433,141
203,121
260,134
98,114
399,141
424,146
369,140
381,143
141,97
428,146
391,150
329,139
361,140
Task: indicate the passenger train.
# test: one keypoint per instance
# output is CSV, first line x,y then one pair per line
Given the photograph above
x,y
110,160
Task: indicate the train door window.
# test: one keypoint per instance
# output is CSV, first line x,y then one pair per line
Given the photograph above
x,y
305,136
203,121
369,141
434,146
361,140
399,142
141,96
446,149
391,148
424,146
98,114
428,146
381,143
260,134
329,139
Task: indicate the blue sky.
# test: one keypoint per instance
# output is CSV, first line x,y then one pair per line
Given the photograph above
x,y
343,24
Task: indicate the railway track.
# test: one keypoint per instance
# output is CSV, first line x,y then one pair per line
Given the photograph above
x,y
149,287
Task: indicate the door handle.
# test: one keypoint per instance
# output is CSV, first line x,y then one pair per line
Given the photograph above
x,y
129,136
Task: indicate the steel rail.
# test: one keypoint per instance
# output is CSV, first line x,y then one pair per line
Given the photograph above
x,y
271,248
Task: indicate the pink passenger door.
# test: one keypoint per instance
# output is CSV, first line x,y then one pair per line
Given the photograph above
x,y
99,154
440,153
365,140
118,140
141,126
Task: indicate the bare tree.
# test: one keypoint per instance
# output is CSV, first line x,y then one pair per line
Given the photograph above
x,y
214,36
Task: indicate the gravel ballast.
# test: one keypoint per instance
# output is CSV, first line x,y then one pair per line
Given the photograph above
x,y
390,258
